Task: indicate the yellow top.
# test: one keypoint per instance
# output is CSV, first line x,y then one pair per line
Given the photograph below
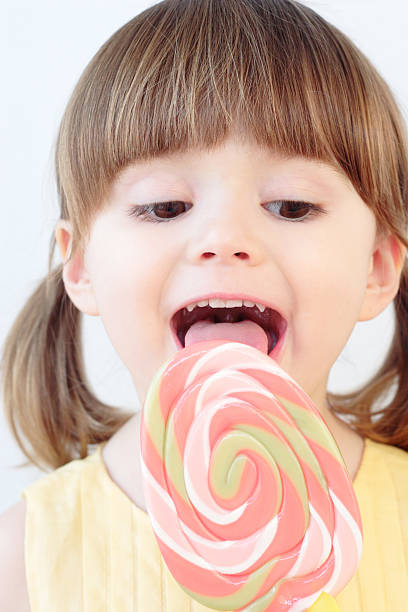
x,y
89,548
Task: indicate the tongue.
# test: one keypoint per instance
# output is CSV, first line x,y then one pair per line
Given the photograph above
x,y
246,332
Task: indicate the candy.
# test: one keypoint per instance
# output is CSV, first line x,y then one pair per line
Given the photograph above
x,y
247,492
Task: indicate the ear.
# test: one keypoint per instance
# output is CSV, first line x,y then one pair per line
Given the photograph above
x,y
75,276
384,275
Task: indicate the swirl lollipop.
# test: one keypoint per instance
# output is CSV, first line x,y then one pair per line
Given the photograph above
x,y
247,492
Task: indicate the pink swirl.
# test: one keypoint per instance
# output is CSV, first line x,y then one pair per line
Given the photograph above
x,y
247,492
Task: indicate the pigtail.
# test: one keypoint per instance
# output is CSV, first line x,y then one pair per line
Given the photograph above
x,y
387,388
47,399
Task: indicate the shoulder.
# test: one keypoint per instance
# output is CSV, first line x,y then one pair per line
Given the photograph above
x,y
48,513
55,507
393,457
385,472
13,585
63,485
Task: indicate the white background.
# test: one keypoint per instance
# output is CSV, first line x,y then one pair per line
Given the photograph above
x,y
47,45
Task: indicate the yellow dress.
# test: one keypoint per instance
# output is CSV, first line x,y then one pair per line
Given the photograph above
x,y
89,548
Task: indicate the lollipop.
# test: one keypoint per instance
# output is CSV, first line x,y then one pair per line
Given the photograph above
x,y
247,492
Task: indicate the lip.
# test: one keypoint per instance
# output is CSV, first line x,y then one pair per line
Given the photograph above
x,y
274,354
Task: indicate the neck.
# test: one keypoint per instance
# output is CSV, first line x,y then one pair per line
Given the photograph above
x,y
350,443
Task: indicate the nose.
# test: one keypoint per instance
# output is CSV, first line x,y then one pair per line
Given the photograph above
x,y
226,240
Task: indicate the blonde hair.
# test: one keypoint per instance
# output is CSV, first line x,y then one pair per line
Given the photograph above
x,y
183,74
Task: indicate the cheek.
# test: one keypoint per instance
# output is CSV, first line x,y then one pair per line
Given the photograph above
x,y
330,288
128,281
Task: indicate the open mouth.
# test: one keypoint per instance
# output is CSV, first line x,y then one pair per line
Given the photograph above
x,y
271,321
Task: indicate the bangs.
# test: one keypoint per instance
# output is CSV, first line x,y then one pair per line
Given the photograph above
x,y
185,73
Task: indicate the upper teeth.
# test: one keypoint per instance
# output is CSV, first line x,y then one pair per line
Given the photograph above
x,y
217,303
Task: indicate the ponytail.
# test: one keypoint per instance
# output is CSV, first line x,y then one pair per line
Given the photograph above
x,y
45,389
389,386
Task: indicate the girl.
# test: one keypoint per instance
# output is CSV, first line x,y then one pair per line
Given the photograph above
x,y
228,149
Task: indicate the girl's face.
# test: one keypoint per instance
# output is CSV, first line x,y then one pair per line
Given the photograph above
x,y
231,231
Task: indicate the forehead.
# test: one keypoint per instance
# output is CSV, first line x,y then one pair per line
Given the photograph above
x,y
232,160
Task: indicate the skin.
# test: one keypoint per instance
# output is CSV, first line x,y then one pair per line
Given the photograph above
x,y
323,274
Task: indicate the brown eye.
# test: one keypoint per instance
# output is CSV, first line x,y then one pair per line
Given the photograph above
x,y
168,210
293,210
159,211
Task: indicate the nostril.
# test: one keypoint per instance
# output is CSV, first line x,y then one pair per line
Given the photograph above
x,y
240,255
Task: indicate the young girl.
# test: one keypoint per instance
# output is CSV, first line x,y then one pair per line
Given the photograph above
x,y
229,149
